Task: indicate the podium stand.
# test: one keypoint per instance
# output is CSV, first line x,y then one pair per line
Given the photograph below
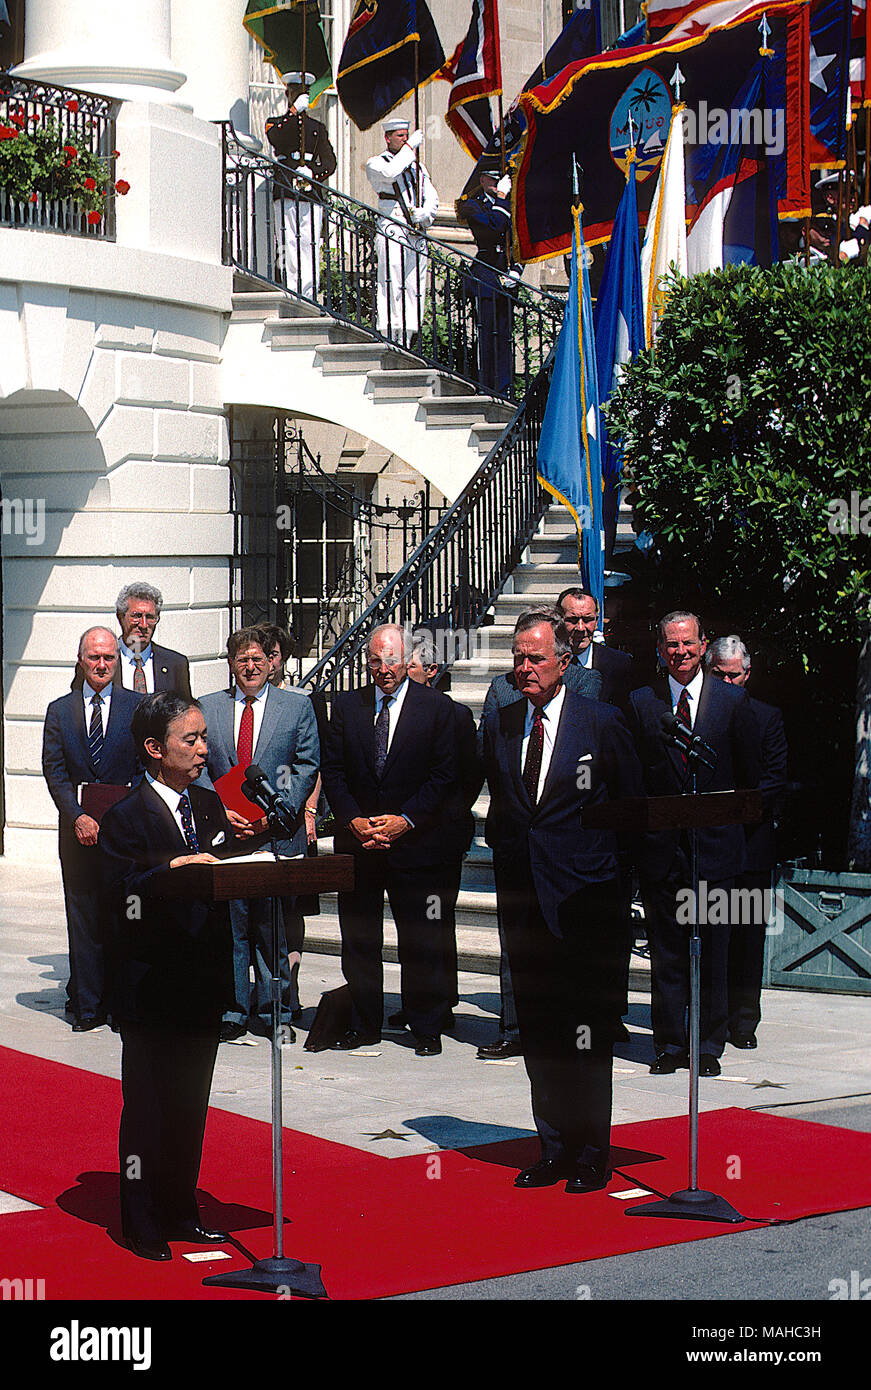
x,y
692,811
267,879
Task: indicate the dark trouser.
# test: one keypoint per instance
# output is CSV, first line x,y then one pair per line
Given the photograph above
x,y
669,940
453,872
86,932
746,957
495,337
508,1029
566,992
425,933
251,920
166,1074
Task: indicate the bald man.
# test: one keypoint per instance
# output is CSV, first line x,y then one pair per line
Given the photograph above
x,y
86,740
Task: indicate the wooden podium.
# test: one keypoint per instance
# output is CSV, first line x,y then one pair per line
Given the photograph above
x,y
271,879
693,811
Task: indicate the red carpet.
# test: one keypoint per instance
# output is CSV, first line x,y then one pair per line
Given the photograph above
x,y
379,1226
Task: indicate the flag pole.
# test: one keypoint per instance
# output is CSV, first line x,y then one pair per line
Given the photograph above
x,y
417,109
304,70
867,151
503,166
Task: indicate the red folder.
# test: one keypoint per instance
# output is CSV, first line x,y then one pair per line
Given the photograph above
x,y
229,789
95,798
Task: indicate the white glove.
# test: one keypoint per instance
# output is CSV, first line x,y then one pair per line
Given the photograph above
x,y
415,140
301,103
418,217
503,187
849,250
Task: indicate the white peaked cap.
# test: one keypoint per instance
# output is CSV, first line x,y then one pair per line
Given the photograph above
x,y
396,123
293,79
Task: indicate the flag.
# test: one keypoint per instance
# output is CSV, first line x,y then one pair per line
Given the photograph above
x,y
583,114
619,321
830,23
568,462
475,74
860,31
632,38
664,252
280,29
388,44
664,15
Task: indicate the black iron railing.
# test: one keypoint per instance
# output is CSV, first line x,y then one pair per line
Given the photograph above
x,y
458,570
329,250
57,158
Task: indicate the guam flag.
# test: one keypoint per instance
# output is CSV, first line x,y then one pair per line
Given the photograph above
x,y
584,113
389,44
475,74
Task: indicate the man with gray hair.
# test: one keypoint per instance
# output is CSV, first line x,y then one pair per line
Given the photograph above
x,y
729,660
87,740
143,666
389,765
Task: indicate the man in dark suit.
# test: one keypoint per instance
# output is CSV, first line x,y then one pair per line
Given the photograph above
x,y
143,666
388,768
257,723
729,660
722,716
580,612
87,739
171,974
548,758
503,691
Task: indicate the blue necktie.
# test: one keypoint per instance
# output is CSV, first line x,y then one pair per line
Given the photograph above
x,y
187,820
95,732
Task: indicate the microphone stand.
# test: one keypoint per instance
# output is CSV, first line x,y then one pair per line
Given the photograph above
x,y
693,1203
279,1271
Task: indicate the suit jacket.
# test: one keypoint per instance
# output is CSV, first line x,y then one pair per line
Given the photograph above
x,y
171,672
420,773
615,668
726,721
171,959
287,749
459,820
562,857
761,838
66,761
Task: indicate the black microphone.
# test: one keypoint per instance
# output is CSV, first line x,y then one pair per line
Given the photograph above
x,y
258,789
693,744
676,729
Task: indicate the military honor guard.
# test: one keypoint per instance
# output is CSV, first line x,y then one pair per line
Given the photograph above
x,y
302,146
488,216
408,203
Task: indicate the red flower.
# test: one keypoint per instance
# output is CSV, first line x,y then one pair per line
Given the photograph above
x,y
72,152
7,133
34,197
116,154
122,187
90,184
72,105
17,117
93,218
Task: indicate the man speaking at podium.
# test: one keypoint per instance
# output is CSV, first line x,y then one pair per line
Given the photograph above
x,y
171,973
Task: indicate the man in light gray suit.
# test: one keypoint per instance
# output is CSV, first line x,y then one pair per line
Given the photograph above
x,y
503,691
254,722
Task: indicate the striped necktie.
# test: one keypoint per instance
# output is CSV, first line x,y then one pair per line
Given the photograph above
x,y
683,715
95,732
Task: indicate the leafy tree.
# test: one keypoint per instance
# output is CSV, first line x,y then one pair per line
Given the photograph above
x,y
748,435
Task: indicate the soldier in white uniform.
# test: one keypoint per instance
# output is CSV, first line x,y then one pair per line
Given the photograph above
x,y
302,145
401,242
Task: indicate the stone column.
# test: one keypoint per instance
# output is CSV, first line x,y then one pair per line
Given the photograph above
x,y
120,50
210,44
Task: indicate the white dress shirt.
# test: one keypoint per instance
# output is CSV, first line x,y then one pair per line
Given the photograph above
x,y
128,665
693,690
550,714
257,709
398,698
88,694
172,799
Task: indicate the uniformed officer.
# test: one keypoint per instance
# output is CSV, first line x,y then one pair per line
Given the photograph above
x,y
408,203
488,216
301,143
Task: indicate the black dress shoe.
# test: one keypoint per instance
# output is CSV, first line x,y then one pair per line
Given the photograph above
x,y
708,1065
668,1062
494,1052
587,1179
231,1031
428,1045
354,1038
158,1251
746,1041
84,1025
397,1020
260,1029
296,1015
546,1173
198,1235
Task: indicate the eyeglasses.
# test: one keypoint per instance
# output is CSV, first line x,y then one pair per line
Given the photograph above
x,y
375,663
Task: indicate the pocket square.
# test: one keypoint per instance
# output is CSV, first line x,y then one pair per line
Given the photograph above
x,y
219,838
585,758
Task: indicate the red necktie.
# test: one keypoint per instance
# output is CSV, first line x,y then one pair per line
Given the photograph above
x,y
245,741
683,715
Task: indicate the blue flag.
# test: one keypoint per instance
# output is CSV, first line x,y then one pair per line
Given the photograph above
x,y
619,333
829,80
568,461
389,45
